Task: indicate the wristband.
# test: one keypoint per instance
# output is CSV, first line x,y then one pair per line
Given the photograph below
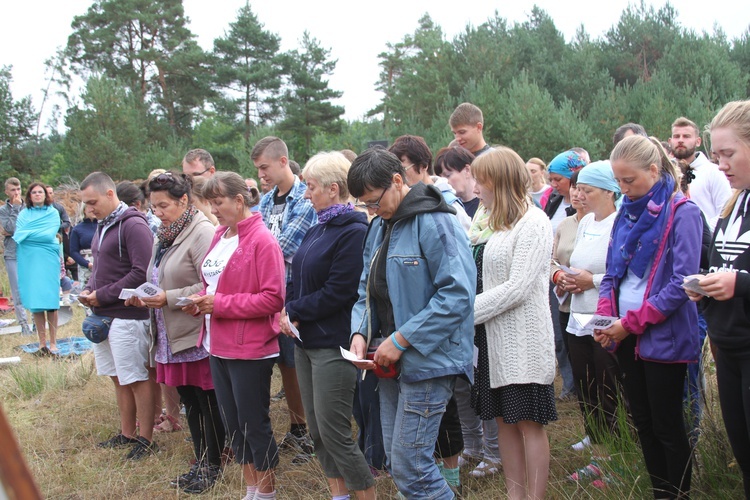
x,y
554,276
395,342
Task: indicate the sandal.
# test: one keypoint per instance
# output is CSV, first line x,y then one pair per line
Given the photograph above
x,y
168,424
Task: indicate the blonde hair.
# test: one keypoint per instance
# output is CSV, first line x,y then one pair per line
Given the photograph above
x,y
539,162
327,169
736,116
642,152
506,174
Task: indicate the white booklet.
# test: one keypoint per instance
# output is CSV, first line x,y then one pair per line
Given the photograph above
x,y
144,291
591,322
294,328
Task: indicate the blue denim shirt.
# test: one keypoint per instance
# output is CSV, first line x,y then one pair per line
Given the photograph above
x,y
431,279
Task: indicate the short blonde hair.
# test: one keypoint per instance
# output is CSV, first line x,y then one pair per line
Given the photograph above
x,y
506,174
329,168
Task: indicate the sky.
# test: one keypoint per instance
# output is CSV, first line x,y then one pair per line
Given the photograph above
x,y
354,32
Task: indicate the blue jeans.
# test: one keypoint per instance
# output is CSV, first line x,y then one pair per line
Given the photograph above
x,y
410,415
11,266
694,388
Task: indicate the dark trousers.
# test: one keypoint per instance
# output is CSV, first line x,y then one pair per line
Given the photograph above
x,y
597,379
243,391
733,376
205,423
655,394
450,440
366,410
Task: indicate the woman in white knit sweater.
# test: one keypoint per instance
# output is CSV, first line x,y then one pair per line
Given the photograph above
x,y
516,362
595,371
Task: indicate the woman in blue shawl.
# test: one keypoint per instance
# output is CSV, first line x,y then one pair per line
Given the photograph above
x,y
39,263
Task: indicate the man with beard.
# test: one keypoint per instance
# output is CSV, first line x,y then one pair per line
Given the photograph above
x,y
710,188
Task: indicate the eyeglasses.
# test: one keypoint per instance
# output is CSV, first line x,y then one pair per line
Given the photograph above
x,y
164,178
407,167
198,174
372,206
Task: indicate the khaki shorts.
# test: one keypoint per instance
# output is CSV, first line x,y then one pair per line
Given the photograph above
x,y
125,352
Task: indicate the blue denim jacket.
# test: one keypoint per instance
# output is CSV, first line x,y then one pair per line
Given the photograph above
x,y
431,279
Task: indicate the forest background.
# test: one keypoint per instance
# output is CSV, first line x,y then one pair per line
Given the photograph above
x,y
151,92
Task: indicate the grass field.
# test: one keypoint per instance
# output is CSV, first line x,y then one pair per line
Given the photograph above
x,y
61,409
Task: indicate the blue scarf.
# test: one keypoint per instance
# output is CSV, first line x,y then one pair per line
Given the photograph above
x,y
329,213
638,229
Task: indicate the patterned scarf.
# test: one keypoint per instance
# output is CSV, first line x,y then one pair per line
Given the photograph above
x,y
329,213
114,215
168,233
638,229
480,230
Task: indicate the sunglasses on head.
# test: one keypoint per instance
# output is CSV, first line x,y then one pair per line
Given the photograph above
x,y
164,178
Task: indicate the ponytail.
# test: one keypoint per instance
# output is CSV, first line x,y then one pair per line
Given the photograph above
x,y
667,167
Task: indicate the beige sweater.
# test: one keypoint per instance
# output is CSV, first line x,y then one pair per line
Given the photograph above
x,y
515,303
562,248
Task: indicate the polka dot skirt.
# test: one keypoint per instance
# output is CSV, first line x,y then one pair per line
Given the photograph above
x,y
534,402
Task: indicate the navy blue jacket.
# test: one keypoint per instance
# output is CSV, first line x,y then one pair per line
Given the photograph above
x,y
80,239
325,276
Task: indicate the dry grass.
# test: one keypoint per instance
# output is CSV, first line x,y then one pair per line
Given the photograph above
x,y
59,425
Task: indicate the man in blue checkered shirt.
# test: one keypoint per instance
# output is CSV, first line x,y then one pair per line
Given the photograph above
x,y
288,215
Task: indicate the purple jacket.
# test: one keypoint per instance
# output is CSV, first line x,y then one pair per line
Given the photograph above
x,y
120,261
667,322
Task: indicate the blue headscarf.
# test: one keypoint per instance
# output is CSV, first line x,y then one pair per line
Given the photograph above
x,y
599,174
566,163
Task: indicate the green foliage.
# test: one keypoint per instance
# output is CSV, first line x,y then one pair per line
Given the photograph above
x,y
146,45
533,125
17,120
306,101
153,93
415,77
113,132
248,69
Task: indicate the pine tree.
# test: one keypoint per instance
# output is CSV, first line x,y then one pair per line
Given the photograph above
x,y
248,69
306,102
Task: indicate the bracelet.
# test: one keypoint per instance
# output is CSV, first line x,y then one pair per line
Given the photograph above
x,y
395,342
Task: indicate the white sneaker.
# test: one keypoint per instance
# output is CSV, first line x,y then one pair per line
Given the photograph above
x,y
582,444
465,461
485,469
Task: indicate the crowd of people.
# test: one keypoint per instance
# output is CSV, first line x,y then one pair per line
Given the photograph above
x,y
433,300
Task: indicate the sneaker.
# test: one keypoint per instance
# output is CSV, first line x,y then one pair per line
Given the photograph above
x,y
582,444
484,469
466,461
279,395
588,473
204,480
184,479
301,444
65,302
117,441
143,448
302,458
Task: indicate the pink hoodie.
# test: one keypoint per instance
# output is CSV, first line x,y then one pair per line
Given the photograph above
x,y
249,296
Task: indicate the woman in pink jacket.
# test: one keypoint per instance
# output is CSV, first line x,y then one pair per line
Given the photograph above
x,y
243,275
